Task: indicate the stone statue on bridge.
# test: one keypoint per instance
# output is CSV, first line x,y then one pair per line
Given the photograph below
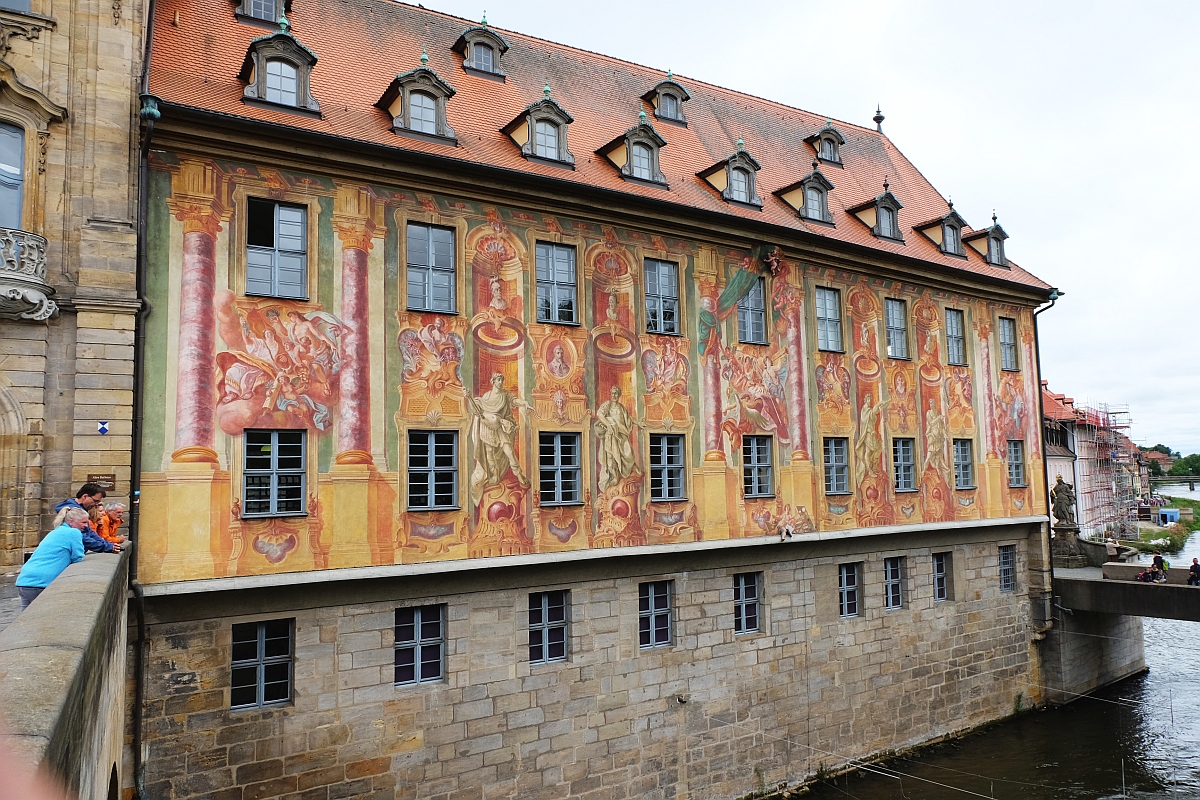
x,y
1062,496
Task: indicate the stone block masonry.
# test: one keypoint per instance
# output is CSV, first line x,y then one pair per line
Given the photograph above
x,y
714,714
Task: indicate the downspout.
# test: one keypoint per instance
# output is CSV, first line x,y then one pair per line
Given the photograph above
x,y
148,113
1040,631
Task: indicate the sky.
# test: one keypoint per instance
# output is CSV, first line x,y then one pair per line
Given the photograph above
x,y
1075,121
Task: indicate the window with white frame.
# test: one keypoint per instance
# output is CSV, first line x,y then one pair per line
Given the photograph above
x,y
546,139
420,644
943,577
745,602
903,465
556,287
662,296
276,249
483,57
643,162
261,665
282,82
1008,567
668,106
259,9
1016,462
995,253
12,175
752,313
829,148
739,185
432,470
829,319
887,222
757,478
431,278
837,465
548,626
893,582
951,238
273,474
814,203
956,342
896,312
422,114
654,613
848,579
1008,344
964,464
558,462
666,467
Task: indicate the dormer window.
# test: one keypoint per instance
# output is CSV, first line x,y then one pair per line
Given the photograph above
x,y
946,232
643,162
483,57
541,131
483,51
827,143
546,142
417,102
887,223
989,243
810,196
739,185
277,69
996,251
668,98
735,178
951,234
829,149
814,203
636,153
260,11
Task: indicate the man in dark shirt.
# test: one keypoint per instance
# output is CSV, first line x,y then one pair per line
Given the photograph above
x,y
1194,573
89,495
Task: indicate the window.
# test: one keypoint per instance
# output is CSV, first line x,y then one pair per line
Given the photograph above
x,y
964,465
643,162
662,297
893,582
814,203
897,328
829,149
668,106
420,644
943,577
12,175
887,222
745,602
995,254
956,343
260,9
837,467
1016,462
950,238
756,467
668,98
739,185
547,626
417,102
1008,344
666,467
276,245
431,279
273,477
422,117
281,82
556,283
483,57
903,467
432,470
848,589
546,143
752,314
482,50
558,459
829,320
654,613
1008,567
261,669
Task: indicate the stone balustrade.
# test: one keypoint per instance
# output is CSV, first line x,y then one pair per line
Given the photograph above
x,y
24,293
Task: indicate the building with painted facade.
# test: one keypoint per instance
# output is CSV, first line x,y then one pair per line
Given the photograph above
x,y
520,420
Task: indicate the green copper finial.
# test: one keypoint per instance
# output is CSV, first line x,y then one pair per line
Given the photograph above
x,y
741,144
546,90
670,75
284,25
642,117
828,122
485,18
424,58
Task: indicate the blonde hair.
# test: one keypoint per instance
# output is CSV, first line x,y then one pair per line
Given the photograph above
x,y
69,515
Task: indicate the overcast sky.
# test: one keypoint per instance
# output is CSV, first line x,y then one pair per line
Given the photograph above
x,y
1076,121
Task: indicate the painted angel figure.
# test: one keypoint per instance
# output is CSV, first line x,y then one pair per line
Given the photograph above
x,y
665,370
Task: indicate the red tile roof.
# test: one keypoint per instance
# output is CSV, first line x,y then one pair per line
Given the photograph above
x,y
1058,407
363,44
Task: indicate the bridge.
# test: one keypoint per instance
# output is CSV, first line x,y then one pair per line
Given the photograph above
x,y
1114,589
1161,480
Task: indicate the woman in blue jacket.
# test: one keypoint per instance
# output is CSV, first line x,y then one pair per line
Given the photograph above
x,y
62,547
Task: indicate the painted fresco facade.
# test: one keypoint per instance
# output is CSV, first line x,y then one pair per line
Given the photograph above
x,y
357,371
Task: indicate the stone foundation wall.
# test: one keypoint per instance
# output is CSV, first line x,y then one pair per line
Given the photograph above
x,y
714,715
1086,650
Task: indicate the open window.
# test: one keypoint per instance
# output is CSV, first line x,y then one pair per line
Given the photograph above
x,y
483,51
277,71
736,178
417,102
541,132
668,98
636,153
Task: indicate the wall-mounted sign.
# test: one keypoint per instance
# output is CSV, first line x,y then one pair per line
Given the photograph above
x,y
105,480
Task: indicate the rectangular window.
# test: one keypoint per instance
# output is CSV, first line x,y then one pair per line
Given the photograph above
x,y
558,460
848,589
1016,462
745,602
556,288
662,297
420,644
666,467
273,474
262,9
548,626
1008,567
654,613
837,466
943,577
903,468
896,312
893,582
1008,344
757,480
431,281
276,249
964,465
829,320
432,469
261,669
956,343
752,314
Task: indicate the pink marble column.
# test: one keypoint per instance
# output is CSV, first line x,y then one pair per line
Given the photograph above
x,y
354,381
797,369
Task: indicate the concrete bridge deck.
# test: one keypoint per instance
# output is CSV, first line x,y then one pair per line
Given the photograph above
x,y
1114,589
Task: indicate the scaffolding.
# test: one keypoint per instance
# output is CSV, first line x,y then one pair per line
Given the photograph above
x,y
1108,471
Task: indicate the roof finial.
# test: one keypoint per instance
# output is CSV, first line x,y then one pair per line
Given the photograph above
x,y
741,145
816,166
885,184
993,216
828,122
546,90
284,25
485,18
878,119
424,58
670,75
950,200
642,117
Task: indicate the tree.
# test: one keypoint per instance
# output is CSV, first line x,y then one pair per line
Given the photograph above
x,y
1188,465
1154,467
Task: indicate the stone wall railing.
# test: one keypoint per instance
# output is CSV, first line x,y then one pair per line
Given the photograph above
x,y
62,678
24,293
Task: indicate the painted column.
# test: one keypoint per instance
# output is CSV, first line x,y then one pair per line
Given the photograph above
x,y
355,221
797,369
715,482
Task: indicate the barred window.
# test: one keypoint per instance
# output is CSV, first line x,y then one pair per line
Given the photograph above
x,y
745,602
897,328
662,296
943,587
556,283
432,469
666,467
261,669
752,314
964,465
1008,344
956,343
757,480
837,466
1008,567
276,249
903,468
548,626
848,589
274,474
654,613
893,582
431,279
420,644
829,319
1016,462
558,461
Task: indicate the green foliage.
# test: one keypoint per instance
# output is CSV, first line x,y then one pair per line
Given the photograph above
x,y
1188,465
1154,468
1158,448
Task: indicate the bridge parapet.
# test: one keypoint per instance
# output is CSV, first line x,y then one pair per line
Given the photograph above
x,y
1176,575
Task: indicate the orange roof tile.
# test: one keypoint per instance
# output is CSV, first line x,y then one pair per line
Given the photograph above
x,y
1056,407
363,44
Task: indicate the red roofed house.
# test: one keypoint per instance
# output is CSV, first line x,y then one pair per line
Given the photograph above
x,y
518,419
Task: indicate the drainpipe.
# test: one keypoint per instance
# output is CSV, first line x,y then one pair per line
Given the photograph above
x,y
1040,632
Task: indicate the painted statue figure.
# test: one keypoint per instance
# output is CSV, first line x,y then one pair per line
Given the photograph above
x,y
494,431
868,449
1063,498
936,437
614,424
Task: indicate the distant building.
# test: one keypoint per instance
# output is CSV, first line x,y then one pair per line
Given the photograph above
x,y
1162,459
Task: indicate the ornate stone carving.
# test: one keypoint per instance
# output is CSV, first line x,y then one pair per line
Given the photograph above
x,y
24,293
27,26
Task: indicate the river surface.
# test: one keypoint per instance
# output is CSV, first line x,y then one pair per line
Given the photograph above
x,y
1143,733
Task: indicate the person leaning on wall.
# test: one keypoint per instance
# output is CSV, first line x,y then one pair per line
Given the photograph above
x,y
62,547
90,494
110,521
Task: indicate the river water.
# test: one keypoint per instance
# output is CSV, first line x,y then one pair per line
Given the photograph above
x,y
1143,733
